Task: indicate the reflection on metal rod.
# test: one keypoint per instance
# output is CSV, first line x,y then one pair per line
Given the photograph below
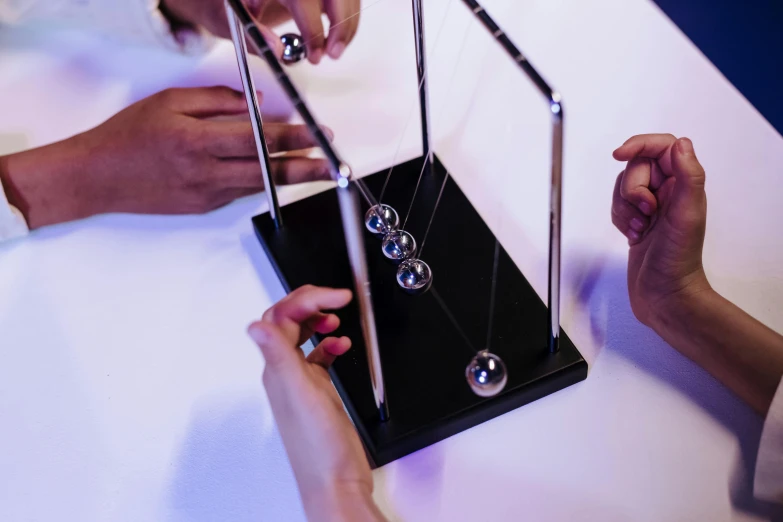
x,y
556,107
353,222
349,208
421,69
248,85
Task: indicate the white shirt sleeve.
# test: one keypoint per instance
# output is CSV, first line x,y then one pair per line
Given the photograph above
x,y
137,21
12,223
768,482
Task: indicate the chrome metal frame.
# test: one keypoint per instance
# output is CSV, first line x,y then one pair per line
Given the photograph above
x,y
556,192
353,223
421,69
249,87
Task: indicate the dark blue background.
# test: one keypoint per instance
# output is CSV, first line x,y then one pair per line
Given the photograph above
x,y
744,39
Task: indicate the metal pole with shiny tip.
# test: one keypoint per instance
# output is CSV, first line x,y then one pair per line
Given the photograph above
x,y
421,69
248,85
556,193
353,223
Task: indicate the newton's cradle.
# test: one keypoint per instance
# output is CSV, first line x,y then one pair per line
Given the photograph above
x,y
414,375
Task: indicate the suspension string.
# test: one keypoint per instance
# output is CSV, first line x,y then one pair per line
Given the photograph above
x,y
492,293
357,13
423,167
453,320
413,107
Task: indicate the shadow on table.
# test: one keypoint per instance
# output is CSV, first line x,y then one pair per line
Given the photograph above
x,y
233,467
601,286
262,266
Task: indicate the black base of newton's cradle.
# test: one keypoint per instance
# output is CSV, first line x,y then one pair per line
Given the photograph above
x,y
424,349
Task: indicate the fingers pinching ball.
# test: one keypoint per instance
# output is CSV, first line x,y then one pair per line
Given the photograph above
x,y
486,374
381,223
398,245
414,276
294,49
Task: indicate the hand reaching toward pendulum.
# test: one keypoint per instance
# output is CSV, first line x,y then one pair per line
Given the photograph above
x,y
166,154
327,457
342,14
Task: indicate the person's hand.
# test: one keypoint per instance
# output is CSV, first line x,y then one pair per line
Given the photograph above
x,y
343,18
325,452
660,205
342,14
166,154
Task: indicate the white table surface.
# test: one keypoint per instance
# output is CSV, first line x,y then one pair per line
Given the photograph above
x,y
128,387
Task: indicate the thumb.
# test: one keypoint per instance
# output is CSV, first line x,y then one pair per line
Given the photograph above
x,y
688,173
272,40
277,351
257,9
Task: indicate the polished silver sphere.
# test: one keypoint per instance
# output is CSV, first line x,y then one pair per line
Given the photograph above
x,y
294,49
414,276
486,374
381,224
398,245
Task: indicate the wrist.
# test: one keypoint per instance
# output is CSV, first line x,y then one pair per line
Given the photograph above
x,y
343,504
43,183
675,312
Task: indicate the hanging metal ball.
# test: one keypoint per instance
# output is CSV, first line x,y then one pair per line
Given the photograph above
x,y
294,49
486,374
414,276
381,224
398,245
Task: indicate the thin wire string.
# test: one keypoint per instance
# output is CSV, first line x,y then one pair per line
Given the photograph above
x,y
496,255
492,293
432,216
424,77
445,179
453,319
332,26
402,138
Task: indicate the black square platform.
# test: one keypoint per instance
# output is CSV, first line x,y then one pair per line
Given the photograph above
x,y
426,341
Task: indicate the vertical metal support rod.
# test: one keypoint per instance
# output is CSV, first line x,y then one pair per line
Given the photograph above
x,y
555,217
248,85
353,222
421,69
353,229
556,187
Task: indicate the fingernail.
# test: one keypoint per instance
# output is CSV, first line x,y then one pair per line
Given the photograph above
x,y
633,235
257,334
637,224
336,50
645,207
329,132
316,56
685,146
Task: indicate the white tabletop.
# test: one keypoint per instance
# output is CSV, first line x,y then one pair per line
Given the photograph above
x,y
128,387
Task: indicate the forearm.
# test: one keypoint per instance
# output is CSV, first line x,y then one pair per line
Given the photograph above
x,y
738,350
44,183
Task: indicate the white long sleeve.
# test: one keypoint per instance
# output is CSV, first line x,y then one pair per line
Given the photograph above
x,y
768,482
136,21
12,223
